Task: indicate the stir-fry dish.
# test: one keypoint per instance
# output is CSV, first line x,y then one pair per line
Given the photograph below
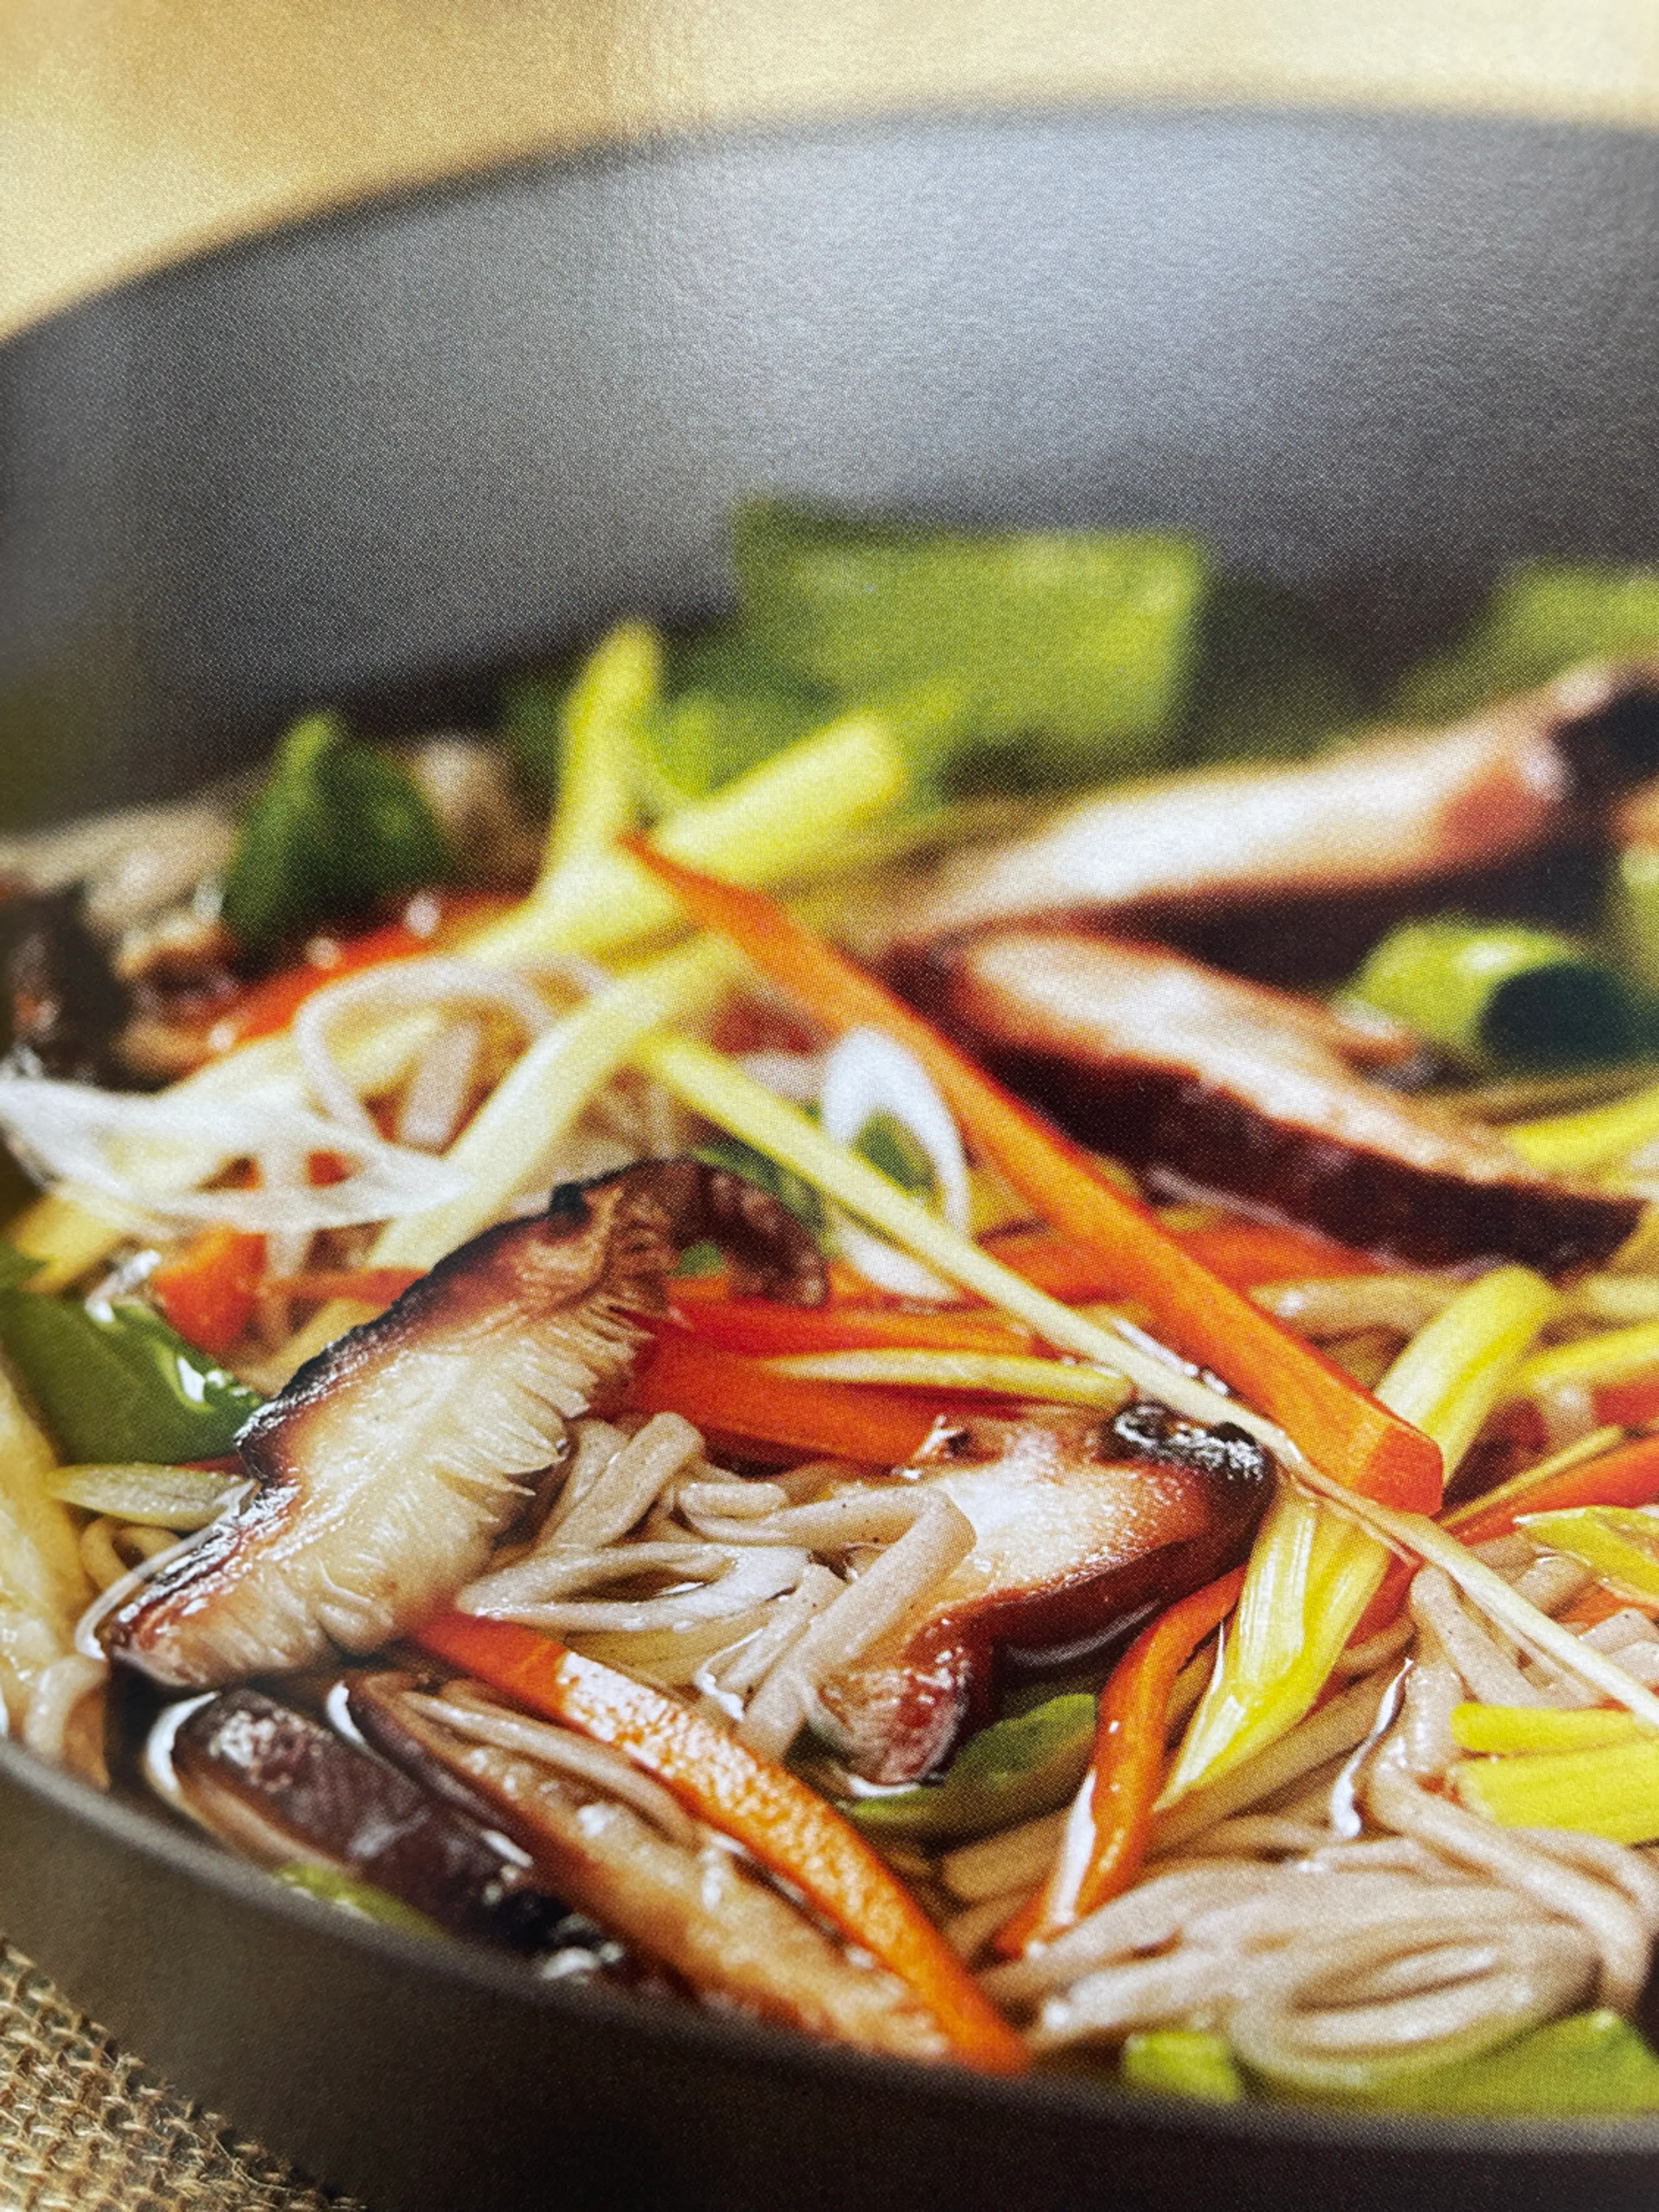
x,y
936,1316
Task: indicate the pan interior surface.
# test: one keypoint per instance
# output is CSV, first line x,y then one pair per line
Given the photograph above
x,y
380,457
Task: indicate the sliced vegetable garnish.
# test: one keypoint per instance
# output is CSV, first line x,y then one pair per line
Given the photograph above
x,y
1615,1357
761,1326
1110,1821
1079,643
1008,1375
1601,1469
337,826
1246,1253
600,724
151,1496
1612,1790
1181,2062
1499,993
1540,1727
1313,1576
1457,1367
738,1396
1541,618
1336,1424
1309,1579
116,1384
1012,1771
1584,1143
773,1815
344,1892
1620,1544
210,1291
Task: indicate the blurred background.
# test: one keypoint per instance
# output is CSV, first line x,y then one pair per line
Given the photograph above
x,y
134,130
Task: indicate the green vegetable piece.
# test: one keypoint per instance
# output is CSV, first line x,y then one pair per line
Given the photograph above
x,y
1265,686
730,709
1012,1771
344,1892
1542,617
179,1498
1590,2061
337,826
1182,2062
1499,993
115,1383
887,1144
1070,650
1619,1543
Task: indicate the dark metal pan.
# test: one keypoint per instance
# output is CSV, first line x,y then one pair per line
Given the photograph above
x,y
379,455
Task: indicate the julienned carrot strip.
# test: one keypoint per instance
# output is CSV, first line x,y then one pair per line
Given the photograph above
x,y
766,1326
1386,1600
1343,1430
1628,1475
1245,1253
1599,1603
1058,1264
1111,1816
740,1396
208,1292
1630,1402
769,1811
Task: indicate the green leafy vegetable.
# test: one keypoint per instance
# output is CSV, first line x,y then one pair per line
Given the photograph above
x,y
730,707
1012,1771
15,1266
1182,2062
114,1384
1500,993
1265,686
337,826
1542,617
1069,650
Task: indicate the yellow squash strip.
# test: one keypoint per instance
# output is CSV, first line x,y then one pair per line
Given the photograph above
x,y
1541,1728
1455,1371
1415,1534
599,725
1620,1544
1581,1144
1613,1791
1009,1375
513,1138
1532,1479
1313,1572
1612,1356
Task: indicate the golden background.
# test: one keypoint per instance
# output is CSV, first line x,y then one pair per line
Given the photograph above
x,y
131,131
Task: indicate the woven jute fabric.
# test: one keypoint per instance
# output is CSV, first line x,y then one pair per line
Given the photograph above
x,y
83,2129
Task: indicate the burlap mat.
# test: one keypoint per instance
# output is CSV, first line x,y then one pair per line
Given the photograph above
x,y
83,2130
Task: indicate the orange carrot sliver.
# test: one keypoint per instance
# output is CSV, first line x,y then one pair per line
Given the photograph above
x,y
739,1397
1245,1253
774,1815
208,1292
766,1327
1628,1403
1346,1432
1111,1816
1627,1475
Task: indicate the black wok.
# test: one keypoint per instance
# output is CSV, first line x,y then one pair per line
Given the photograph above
x,y
378,456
